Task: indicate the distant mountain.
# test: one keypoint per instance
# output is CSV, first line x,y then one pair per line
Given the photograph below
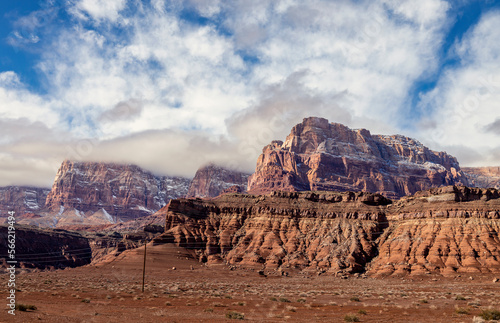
x,y
318,155
119,192
212,180
484,177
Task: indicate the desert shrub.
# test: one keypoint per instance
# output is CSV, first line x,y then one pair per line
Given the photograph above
x,y
284,300
25,307
355,299
460,298
351,318
462,310
232,315
86,300
362,312
490,315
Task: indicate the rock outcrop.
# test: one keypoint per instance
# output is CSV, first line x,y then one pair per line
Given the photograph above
x,y
46,248
119,192
335,231
445,230
212,180
484,177
318,155
22,199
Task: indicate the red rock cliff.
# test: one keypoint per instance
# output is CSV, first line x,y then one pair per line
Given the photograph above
x,y
446,230
318,155
123,191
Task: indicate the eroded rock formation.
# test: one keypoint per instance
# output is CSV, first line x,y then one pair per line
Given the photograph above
x,y
318,155
445,230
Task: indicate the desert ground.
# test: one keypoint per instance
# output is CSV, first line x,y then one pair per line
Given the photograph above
x,y
110,291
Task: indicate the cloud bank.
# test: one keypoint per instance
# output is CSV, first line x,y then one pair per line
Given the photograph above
x,y
171,85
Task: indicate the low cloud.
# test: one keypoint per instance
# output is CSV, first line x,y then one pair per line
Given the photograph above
x,y
125,110
493,127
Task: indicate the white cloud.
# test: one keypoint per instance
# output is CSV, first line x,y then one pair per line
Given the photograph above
x,y
465,102
220,91
98,10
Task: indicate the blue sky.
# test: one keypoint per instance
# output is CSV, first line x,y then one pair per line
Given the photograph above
x,y
181,83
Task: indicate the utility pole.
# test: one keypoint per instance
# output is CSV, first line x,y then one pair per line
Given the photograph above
x,y
144,266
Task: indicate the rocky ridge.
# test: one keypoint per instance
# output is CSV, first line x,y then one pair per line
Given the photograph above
x,y
446,230
212,180
318,155
111,192
58,248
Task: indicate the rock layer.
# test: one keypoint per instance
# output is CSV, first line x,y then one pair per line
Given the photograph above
x,y
328,230
318,155
212,180
446,230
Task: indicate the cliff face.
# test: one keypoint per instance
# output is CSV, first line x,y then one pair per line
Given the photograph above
x,y
447,230
119,192
45,248
212,180
484,177
318,155
56,249
22,199
331,231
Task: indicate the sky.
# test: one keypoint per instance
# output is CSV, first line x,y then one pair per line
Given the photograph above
x,y
172,85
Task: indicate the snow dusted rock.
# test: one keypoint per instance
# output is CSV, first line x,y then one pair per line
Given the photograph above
x,y
484,177
22,199
212,180
318,155
110,192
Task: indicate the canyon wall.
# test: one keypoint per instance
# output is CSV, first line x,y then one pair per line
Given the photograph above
x,y
446,230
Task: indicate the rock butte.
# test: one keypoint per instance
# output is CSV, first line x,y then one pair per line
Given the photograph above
x,y
445,230
318,155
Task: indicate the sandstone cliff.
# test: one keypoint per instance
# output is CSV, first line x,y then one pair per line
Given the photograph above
x,y
22,199
484,177
118,192
318,155
212,180
445,230
328,230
